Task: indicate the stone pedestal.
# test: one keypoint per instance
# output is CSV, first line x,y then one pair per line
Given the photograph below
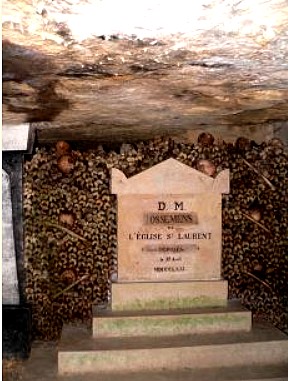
x,y
169,307
137,296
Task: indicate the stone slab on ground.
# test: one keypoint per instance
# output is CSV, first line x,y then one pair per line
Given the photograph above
x,y
42,365
264,345
168,295
107,323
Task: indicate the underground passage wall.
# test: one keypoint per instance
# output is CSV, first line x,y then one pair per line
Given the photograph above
x,y
70,223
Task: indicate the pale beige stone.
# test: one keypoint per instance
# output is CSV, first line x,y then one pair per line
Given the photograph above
x,y
168,295
169,177
169,223
149,249
169,325
159,323
262,346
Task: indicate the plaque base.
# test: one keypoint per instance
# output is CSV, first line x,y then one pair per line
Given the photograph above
x,y
168,295
16,331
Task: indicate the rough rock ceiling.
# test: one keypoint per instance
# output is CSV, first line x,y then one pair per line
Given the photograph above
x,y
133,69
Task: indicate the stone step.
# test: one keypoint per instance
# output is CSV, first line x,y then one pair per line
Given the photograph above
x,y
107,323
166,295
42,366
80,353
215,374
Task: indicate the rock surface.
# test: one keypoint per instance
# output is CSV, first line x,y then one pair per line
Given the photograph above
x,y
93,69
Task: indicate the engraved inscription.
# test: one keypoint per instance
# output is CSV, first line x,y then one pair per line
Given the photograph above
x,y
15,137
171,218
169,269
170,248
166,206
170,236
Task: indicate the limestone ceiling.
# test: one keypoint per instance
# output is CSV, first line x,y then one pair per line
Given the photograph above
x,y
127,68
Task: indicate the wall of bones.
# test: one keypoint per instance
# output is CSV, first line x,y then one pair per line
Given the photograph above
x,y
70,223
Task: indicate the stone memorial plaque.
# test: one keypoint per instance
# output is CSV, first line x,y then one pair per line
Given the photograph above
x,y
15,137
169,223
10,292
